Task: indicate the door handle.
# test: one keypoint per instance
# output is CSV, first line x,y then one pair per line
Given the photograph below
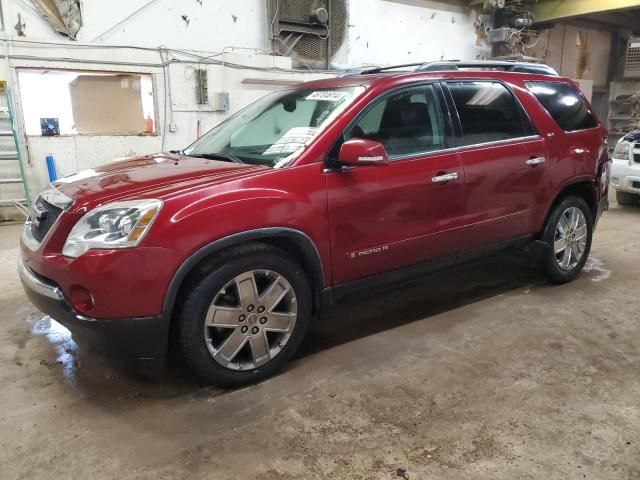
x,y
579,151
445,177
532,162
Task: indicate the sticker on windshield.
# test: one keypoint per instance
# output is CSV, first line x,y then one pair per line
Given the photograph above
x,y
326,96
295,139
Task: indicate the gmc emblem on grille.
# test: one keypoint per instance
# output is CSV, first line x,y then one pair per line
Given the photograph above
x,y
38,215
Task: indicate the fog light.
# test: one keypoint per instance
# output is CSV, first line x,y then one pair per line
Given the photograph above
x,y
81,298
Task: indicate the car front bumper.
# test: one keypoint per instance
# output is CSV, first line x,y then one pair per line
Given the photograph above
x,y
140,341
625,176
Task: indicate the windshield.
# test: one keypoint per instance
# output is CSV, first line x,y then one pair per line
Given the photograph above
x,y
275,130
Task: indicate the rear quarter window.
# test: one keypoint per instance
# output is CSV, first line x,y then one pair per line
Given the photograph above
x,y
565,104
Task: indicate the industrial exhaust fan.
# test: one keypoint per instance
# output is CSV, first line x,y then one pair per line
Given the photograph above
x,y
310,31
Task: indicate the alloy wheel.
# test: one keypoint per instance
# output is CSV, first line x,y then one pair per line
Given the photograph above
x,y
570,239
250,320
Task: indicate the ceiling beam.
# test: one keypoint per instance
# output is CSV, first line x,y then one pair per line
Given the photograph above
x,y
548,10
588,22
618,19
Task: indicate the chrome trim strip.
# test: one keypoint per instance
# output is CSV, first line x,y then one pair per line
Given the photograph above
x,y
463,147
37,285
499,142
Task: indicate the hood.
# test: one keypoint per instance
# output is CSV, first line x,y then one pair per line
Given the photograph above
x,y
631,137
152,175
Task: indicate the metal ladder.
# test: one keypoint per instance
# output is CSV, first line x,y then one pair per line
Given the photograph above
x,y
14,191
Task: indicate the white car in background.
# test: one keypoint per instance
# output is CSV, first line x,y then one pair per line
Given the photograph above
x,y
625,169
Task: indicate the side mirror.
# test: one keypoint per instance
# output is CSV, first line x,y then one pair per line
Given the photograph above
x,y
359,151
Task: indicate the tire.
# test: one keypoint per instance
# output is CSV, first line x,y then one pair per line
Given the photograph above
x,y
626,198
238,348
554,256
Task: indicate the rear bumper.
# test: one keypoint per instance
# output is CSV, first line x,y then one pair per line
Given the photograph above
x,y
141,341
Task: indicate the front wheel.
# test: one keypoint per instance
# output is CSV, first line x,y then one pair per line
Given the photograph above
x,y
245,316
567,235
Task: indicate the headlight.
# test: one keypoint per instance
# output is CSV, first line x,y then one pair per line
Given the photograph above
x,y
622,151
115,225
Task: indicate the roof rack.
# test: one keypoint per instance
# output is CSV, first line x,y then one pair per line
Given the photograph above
x,y
506,65
449,65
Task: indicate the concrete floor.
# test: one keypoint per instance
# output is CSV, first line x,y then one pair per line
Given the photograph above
x,y
482,372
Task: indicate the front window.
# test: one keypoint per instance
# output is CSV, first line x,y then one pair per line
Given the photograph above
x,y
276,129
407,123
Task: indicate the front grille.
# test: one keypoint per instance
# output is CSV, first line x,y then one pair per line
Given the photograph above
x,y
636,156
42,217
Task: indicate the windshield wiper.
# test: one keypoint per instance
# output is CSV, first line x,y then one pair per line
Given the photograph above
x,y
225,157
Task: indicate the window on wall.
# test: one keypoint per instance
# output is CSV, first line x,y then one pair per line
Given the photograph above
x,y
63,102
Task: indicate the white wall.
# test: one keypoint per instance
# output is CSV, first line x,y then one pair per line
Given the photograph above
x,y
380,32
403,31
151,23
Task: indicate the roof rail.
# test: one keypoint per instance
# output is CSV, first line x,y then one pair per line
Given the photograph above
x,y
506,65
449,65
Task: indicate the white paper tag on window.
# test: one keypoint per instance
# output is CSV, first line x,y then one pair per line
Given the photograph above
x,y
326,96
292,141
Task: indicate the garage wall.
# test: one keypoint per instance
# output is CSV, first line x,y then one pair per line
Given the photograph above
x,y
379,31
211,25
228,39
175,99
560,48
402,31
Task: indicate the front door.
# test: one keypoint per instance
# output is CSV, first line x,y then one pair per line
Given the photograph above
x,y
382,218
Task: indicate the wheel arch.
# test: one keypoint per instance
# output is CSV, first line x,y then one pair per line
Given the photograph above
x,y
584,189
293,242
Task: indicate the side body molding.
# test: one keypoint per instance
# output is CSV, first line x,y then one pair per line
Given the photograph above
x,y
306,245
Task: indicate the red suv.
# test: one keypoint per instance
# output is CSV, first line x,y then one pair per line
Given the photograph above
x,y
230,247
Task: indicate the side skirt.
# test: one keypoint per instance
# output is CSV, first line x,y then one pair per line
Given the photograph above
x,y
331,295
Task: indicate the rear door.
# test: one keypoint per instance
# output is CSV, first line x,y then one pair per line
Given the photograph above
x,y
504,161
382,218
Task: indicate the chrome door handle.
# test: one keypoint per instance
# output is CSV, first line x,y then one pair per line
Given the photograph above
x,y
535,161
446,177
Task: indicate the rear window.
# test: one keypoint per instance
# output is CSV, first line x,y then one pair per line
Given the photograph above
x,y
565,104
488,112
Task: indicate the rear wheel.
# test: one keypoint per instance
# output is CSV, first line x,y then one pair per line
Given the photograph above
x,y
626,198
567,234
245,317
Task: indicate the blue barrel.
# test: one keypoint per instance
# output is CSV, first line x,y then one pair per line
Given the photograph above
x,y
51,168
